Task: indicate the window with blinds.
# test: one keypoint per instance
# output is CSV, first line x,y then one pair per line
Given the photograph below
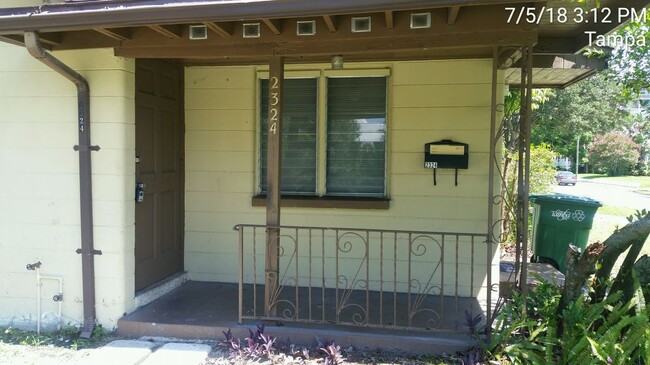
x,y
298,135
354,162
356,136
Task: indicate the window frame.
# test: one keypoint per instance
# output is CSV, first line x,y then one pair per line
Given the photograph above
x,y
321,199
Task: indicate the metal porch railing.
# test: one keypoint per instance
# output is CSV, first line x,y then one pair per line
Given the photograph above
x,y
365,277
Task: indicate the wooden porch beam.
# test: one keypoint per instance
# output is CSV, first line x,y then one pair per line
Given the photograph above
x,y
275,25
452,14
330,22
553,45
117,34
223,29
508,58
368,47
169,31
388,14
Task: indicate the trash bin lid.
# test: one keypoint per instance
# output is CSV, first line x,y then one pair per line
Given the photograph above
x,y
564,198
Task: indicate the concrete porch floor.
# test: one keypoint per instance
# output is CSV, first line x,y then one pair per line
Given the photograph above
x,y
202,310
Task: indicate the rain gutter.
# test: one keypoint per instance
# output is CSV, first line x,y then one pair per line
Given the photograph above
x,y
116,14
87,251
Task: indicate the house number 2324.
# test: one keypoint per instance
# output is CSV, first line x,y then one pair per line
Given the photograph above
x,y
275,102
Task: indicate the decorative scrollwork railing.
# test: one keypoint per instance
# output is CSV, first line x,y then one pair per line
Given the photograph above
x,y
364,277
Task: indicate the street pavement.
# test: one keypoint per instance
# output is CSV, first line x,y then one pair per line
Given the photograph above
x,y
608,194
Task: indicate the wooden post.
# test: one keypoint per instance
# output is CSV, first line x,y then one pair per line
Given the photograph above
x,y
491,168
273,185
524,164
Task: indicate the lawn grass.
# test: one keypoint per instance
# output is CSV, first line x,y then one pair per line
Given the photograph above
x,y
640,181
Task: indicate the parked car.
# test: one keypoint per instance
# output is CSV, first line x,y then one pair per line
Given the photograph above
x,y
566,178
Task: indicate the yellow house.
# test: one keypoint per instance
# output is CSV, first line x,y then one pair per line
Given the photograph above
x,y
372,125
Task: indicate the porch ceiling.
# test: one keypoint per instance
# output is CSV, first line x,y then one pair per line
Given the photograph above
x,y
459,29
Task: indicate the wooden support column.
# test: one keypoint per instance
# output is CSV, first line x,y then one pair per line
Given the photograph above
x,y
273,186
491,168
523,176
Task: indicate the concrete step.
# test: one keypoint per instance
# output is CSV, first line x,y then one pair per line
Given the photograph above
x,y
120,352
179,354
138,352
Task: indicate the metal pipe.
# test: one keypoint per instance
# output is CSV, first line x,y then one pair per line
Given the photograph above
x,y
84,148
57,298
108,14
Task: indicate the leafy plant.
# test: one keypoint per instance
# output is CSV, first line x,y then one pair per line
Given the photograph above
x,y
333,355
472,321
257,345
608,331
637,215
593,332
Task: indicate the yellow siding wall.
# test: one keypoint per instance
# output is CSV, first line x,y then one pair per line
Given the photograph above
x,y
39,184
19,3
428,101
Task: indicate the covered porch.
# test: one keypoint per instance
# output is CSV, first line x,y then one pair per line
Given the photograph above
x,y
206,310
421,255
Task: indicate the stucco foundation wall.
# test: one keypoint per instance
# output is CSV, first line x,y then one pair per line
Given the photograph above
x,y
428,101
39,184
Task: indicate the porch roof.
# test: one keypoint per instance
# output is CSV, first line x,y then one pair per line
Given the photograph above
x,y
458,29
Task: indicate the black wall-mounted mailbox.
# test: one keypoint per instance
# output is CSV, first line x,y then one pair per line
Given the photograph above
x,y
446,154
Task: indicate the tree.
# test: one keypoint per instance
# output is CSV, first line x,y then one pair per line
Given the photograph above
x,y
614,154
542,165
590,107
632,64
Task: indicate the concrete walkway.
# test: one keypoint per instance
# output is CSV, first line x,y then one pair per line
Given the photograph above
x,y
138,352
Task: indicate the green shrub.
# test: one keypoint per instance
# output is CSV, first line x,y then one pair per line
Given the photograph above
x,y
528,330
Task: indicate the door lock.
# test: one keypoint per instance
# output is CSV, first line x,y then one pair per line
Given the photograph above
x,y
139,192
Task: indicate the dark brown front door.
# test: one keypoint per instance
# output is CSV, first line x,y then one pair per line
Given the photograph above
x,y
159,138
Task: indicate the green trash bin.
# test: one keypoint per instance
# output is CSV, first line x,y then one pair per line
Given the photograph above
x,y
560,220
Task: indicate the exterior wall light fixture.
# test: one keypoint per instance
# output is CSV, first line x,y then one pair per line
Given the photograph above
x,y
337,62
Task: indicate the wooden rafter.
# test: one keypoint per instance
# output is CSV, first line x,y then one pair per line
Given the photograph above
x,y
117,34
169,31
330,22
452,14
275,25
53,39
388,14
223,29
13,39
